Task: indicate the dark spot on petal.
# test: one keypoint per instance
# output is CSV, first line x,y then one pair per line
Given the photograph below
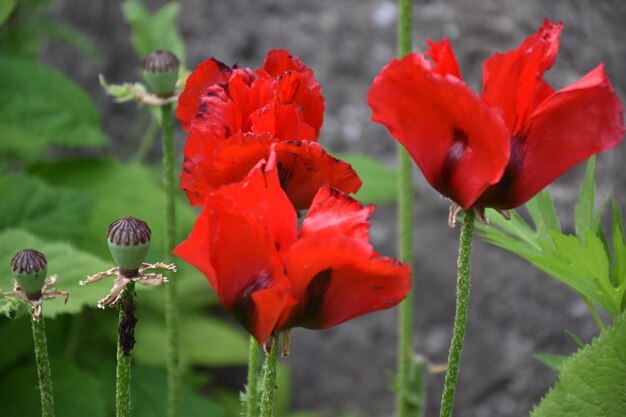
x,y
223,67
244,308
285,174
226,89
314,298
455,154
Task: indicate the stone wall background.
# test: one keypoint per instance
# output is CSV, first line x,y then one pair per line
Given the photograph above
x,y
515,310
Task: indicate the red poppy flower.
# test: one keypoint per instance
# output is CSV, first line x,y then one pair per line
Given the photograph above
x,y
284,99
303,166
499,150
272,277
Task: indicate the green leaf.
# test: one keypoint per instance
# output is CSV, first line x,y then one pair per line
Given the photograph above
x,y
45,211
591,382
70,264
585,205
204,340
117,190
40,108
542,211
76,392
121,93
619,244
554,362
154,31
380,184
149,394
6,7
576,339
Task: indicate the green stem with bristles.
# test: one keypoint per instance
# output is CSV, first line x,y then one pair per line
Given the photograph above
x,y
269,380
250,405
405,230
460,317
43,368
126,325
171,311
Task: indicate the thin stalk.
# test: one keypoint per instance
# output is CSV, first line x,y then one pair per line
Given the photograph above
x,y
250,405
269,380
405,230
460,318
125,342
594,312
43,368
147,141
171,312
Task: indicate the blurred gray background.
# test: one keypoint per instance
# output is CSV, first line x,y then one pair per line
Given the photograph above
x,y
515,310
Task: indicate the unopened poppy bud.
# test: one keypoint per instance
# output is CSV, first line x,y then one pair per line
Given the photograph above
x,y
160,70
129,241
30,268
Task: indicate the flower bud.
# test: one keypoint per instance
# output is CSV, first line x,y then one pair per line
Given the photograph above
x,y
129,241
160,70
30,268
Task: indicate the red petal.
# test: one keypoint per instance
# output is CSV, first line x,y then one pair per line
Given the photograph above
x,y
511,80
567,128
333,213
281,122
339,279
443,56
292,89
236,240
280,61
303,166
208,73
460,144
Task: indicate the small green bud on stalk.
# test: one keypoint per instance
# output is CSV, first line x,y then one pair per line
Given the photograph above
x,y
160,70
129,241
30,268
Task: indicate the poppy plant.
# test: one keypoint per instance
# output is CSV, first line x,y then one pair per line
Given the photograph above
x,y
235,115
501,149
271,276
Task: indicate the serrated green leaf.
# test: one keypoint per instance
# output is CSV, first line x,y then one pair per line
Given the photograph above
x,y
45,211
542,211
584,211
76,392
380,182
554,362
591,382
6,7
40,108
154,31
70,264
203,340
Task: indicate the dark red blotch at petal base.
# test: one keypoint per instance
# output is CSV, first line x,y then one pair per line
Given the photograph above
x,y
303,167
333,270
208,73
461,145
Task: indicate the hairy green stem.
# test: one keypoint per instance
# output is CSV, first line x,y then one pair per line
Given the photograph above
x,y
171,312
250,406
269,380
43,368
125,342
460,317
405,230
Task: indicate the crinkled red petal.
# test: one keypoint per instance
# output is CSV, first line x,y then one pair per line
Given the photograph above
x,y
512,80
206,75
338,279
568,127
280,61
303,166
461,145
443,56
334,213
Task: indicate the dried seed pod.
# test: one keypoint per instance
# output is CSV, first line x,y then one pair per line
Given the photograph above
x,y
160,70
30,268
129,241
